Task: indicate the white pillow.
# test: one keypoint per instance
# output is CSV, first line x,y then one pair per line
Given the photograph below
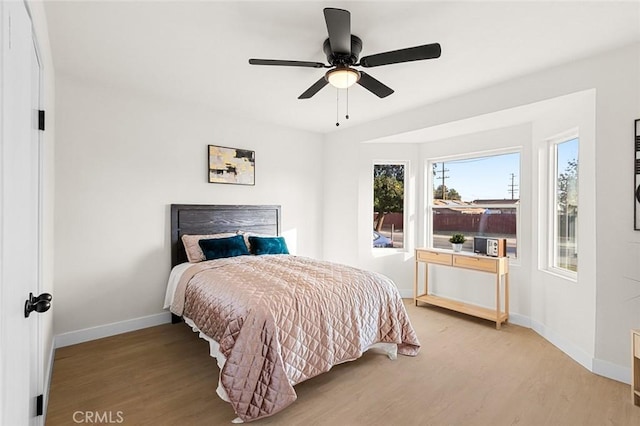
x,y
192,248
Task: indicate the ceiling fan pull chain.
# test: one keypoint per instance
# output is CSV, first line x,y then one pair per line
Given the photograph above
x,y
337,107
347,115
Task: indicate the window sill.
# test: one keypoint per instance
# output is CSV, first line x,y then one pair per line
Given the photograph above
x,y
560,273
383,252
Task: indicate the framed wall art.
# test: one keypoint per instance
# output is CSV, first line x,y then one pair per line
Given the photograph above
x,y
231,165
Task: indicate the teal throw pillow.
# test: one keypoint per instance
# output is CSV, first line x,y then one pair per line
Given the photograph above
x,y
268,245
217,248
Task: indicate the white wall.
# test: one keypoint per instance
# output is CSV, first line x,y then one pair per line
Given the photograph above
x,y
122,158
563,309
618,247
600,311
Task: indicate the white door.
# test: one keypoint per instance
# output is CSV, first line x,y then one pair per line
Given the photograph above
x,y
20,358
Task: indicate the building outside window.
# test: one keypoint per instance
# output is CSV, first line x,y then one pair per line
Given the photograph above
x,y
388,205
475,196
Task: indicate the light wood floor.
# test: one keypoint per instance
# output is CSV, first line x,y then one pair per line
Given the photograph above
x,y
466,374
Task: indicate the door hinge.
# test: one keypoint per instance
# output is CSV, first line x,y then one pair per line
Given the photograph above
x,y
39,405
40,120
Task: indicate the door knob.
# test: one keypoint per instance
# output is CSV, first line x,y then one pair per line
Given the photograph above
x,y
40,303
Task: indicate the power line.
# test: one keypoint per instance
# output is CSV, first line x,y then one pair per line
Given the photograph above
x,y
442,178
513,188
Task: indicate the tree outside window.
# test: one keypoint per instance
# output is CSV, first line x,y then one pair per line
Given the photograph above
x,y
565,242
388,205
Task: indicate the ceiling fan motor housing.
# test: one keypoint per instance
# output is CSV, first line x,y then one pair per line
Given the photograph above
x,y
337,58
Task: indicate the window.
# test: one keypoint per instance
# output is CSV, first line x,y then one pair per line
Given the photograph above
x,y
475,196
388,205
564,250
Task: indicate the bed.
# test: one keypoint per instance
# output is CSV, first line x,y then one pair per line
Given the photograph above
x,y
274,320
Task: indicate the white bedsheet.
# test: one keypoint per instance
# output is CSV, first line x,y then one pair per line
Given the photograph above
x,y
174,279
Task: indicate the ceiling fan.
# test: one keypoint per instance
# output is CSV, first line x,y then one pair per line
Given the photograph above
x,y
342,49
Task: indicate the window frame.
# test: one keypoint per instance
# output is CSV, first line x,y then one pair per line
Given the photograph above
x,y
479,154
405,203
552,200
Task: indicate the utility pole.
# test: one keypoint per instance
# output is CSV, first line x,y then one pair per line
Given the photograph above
x,y
442,178
513,188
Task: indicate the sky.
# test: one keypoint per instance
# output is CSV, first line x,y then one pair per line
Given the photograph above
x,y
490,177
482,178
567,151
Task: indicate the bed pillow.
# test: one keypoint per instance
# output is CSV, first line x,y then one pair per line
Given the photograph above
x,y
192,248
268,245
247,234
217,248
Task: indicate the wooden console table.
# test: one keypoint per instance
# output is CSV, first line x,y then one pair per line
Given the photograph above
x,y
499,266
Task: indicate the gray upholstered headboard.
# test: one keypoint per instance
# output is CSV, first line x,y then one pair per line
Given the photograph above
x,y
213,219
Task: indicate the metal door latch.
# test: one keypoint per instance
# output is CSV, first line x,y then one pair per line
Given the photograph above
x,y
41,303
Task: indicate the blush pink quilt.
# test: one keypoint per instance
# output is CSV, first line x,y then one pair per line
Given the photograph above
x,y
283,319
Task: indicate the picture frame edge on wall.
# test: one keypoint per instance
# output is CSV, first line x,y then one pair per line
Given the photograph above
x,y
636,181
231,166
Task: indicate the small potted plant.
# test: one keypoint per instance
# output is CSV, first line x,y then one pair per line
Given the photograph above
x,y
456,241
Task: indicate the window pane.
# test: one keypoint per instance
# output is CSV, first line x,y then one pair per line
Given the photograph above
x,y
475,222
388,206
476,197
566,192
480,178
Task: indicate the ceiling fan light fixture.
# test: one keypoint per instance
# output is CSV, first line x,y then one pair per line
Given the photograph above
x,y
342,77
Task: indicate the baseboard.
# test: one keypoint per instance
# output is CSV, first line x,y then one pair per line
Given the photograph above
x,y
597,366
575,352
612,371
93,333
521,320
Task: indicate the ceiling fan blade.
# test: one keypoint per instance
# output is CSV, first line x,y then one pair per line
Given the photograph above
x,y
314,89
339,29
374,86
418,53
286,63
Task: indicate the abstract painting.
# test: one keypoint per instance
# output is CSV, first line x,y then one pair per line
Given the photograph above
x,y
231,165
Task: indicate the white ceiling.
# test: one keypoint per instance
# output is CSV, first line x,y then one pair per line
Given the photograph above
x,y
198,50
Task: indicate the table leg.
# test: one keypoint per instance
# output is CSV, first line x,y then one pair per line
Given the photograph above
x,y
506,295
498,301
426,278
415,283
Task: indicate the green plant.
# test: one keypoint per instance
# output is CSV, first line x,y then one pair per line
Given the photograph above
x,y
457,239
